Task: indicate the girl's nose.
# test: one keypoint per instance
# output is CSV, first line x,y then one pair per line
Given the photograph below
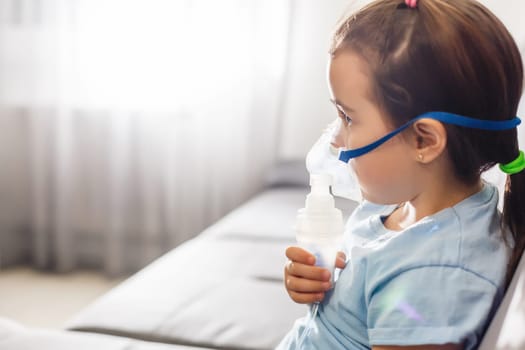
x,y
338,140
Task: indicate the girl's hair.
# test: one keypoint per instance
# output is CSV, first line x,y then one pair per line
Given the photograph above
x,y
453,56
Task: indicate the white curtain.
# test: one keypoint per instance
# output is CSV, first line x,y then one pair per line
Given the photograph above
x,y
128,126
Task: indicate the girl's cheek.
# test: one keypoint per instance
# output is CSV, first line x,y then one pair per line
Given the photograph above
x,y
353,141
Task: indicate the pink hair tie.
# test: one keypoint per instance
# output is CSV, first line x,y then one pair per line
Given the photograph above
x,y
411,3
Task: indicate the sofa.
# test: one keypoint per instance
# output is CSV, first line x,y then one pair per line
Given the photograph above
x,y
223,289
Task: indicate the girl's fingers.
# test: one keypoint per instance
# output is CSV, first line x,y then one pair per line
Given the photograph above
x,y
305,282
300,255
316,273
340,261
302,285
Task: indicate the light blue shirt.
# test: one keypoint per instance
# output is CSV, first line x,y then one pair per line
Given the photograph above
x,y
437,281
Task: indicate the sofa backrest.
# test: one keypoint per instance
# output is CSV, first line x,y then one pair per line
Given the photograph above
x,y
507,329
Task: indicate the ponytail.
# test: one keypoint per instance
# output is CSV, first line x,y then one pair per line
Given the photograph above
x,y
513,218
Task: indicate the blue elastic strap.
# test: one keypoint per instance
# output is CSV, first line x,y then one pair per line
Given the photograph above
x,y
445,117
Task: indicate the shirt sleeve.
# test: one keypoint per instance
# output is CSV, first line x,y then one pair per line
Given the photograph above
x,y
429,305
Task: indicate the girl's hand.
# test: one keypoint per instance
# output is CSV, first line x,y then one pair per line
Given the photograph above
x,y
305,282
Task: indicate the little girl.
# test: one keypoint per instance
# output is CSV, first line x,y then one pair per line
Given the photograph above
x,y
429,255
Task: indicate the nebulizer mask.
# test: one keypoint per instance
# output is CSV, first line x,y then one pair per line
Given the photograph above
x,y
323,158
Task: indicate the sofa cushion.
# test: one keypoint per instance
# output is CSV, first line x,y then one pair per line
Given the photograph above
x,y
14,336
222,289
212,291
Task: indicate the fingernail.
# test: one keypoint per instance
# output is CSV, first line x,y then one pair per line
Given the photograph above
x,y
326,275
327,285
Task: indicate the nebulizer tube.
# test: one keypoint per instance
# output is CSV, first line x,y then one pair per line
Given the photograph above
x,y
309,324
319,229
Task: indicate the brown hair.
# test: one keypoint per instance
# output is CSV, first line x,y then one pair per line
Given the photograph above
x,y
453,56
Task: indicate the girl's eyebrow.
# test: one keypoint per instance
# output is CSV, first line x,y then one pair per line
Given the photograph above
x,y
346,108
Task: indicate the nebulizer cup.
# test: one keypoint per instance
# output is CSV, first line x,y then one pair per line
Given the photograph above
x,y
319,225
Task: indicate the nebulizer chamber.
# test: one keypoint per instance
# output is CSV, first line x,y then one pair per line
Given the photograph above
x,y
319,225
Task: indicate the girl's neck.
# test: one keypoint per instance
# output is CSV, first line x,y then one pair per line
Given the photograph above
x,y
429,202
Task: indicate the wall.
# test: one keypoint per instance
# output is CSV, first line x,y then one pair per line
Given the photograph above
x,y
306,108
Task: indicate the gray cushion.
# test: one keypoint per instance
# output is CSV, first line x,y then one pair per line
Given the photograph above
x,y
14,336
288,173
221,289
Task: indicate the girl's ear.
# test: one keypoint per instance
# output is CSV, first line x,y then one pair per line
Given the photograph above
x,y
431,139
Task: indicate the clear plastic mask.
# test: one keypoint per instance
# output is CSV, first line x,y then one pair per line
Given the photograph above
x,y
323,158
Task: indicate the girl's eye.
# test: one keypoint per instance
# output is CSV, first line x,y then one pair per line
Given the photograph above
x,y
346,119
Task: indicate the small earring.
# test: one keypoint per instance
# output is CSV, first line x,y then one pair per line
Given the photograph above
x,y
420,157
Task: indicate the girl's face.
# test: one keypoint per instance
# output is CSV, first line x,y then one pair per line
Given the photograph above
x,y
388,174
